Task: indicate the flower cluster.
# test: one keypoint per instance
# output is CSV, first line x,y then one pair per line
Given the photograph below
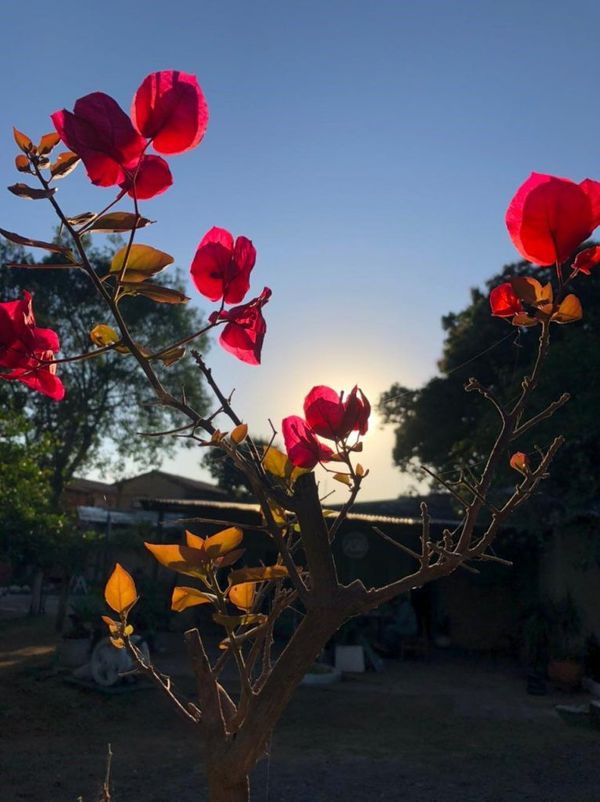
x,y
27,351
221,272
168,112
326,414
547,220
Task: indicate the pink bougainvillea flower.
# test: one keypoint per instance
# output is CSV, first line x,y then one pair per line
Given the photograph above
x,y
549,217
303,448
245,328
222,267
504,301
332,416
169,108
103,136
27,351
150,178
587,259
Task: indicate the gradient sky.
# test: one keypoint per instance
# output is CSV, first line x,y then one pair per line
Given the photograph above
x,y
369,149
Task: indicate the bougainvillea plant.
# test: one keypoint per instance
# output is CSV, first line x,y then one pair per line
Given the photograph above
x,y
548,220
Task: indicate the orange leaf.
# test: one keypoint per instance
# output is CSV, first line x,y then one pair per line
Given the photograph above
x,y
229,559
47,143
242,595
184,560
22,163
194,541
520,462
120,592
523,319
239,434
184,597
223,542
23,141
530,291
569,311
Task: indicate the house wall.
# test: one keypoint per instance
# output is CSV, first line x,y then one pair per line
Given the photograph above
x,y
570,565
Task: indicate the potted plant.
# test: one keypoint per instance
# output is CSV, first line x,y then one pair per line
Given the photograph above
x,y
349,651
75,645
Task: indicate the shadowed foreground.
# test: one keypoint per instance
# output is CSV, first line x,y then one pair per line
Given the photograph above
x,y
452,729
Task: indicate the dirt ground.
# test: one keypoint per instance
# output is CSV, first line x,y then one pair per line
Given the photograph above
x,y
451,729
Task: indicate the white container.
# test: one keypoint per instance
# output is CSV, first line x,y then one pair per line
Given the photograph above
x,y
350,658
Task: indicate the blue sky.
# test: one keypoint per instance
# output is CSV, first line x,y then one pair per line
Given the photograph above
x,y
368,149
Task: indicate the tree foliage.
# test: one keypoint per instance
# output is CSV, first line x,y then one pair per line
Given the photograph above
x,y
441,426
109,400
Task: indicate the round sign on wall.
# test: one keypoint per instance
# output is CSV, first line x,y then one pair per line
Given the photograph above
x,y
355,545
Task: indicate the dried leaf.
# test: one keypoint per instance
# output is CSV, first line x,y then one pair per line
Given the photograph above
x,y
31,193
232,621
81,219
34,243
260,574
172,356
344,478
120,592
156,292
119,222
65,163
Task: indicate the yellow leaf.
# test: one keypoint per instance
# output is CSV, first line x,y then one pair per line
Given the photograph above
x,y
47,143
128,630
569,311
120,592
239,434
184,597
231,621
359,470
530,291
143,261
242,595
344,478
194,541
103,335
260,574
118,643
223,542
23,141
277,464
184,560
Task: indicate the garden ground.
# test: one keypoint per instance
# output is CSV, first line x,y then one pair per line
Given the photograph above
x,y
450,729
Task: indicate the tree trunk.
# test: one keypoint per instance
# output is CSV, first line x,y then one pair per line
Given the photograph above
x,y
36,604
218,792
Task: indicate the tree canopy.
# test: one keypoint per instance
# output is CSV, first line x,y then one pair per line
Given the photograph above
x,y
442,426
108,399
